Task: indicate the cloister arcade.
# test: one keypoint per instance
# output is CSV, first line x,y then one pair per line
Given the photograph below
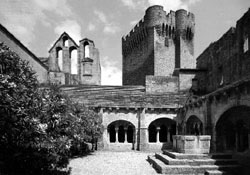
x,y
121,131
161,130
232,129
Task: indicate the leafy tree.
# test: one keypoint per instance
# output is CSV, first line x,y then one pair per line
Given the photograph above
x,y
38,127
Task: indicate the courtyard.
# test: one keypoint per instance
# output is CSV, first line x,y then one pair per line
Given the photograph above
x,y
109,163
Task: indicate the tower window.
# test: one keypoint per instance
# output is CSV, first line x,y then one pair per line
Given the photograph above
x,y
163,29
86,50
166,30
246,44
65,41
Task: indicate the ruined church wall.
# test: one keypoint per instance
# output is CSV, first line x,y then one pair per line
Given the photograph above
x,y
16,46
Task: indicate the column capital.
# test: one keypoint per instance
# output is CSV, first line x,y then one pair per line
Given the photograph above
x,y
158,128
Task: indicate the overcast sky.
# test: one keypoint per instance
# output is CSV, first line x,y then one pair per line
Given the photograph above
x,y
38,23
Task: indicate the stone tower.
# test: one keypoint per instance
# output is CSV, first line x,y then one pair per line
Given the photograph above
x,y
159,45
72,64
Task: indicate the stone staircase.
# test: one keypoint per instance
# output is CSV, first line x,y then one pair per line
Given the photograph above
x,y
194,164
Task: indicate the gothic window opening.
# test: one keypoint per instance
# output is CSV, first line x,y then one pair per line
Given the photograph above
x,y
169,31
74,61
173,32
194,126
163,29
220,76
59,56
166,30
246,44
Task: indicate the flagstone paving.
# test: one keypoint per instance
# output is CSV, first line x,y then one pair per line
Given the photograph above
x,y
113,163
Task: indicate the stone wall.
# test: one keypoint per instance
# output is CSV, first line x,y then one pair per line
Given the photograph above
x,y
161,84
226,60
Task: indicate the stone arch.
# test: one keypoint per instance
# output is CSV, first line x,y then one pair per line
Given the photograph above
x,y
233,129
73,60
218,112
121,131
194,125
161,130
59,56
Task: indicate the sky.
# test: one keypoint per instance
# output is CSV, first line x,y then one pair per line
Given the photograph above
x,y
39,23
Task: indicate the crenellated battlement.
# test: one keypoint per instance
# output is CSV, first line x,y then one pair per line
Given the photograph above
x,y
168,25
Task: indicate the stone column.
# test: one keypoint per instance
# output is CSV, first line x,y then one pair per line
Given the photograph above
x,y
116,134
134,138
236,141
168,136
108,136
142,129
158,134
126,135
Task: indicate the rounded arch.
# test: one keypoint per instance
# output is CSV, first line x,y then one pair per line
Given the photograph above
x,y
161,130
74,60
86,49
225,107
194,125
121,131
232,129
59,56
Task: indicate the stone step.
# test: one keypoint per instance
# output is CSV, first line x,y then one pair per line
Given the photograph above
x,y
215,172
221,156
207,161
162,167
176,155
215,161
171,161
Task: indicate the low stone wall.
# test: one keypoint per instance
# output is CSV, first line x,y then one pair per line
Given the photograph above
x,y
191,144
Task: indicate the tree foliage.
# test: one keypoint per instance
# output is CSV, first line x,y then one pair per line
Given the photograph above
x,y
38,127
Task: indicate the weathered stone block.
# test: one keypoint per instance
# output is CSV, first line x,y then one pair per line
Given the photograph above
x,y
192,144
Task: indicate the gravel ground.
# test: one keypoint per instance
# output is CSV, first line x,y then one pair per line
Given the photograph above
x,y
113,163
